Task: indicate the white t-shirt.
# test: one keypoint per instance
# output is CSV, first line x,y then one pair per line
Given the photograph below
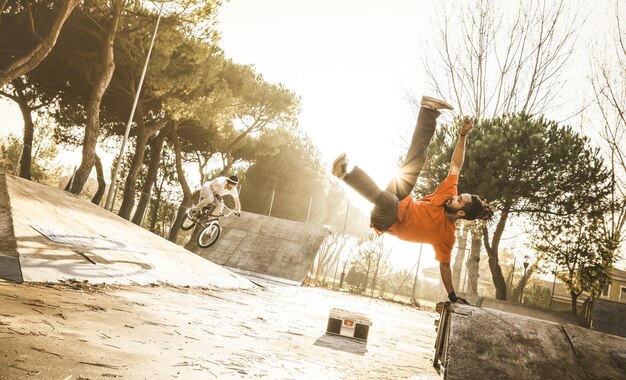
x,y
221,187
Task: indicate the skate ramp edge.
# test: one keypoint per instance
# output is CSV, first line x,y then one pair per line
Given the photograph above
x,y
9,258
513,308
477,343
58,236
265,245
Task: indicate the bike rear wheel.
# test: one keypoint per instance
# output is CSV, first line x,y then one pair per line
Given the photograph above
x,y
209,235
187,223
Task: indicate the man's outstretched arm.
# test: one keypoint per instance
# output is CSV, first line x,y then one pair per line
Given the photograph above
x,y
237,205
446,278
459,151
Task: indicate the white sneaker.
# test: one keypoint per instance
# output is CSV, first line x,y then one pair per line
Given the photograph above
x,y
340,166
193,214
435,104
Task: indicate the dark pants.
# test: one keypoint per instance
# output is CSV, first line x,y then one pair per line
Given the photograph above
x,y
386,201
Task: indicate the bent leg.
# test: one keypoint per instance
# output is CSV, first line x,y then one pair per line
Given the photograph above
x,y
385,203
206,197
403,184
385,211
363,184
219,208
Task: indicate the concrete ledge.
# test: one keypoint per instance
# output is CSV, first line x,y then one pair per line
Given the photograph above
x,y
9,257
490,344
475,343
10,269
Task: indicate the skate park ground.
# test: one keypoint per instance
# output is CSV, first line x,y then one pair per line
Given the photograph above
x,y
75,330
87,294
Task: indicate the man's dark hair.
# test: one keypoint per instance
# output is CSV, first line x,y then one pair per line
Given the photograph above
x,y
478,209
233,179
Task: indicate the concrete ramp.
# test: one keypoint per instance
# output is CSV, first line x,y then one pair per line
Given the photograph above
x,y
475,343
48,234
265,245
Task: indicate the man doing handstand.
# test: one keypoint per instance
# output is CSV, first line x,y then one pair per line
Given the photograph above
x,y
430,219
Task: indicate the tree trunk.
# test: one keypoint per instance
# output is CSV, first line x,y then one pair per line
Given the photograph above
x,y
334,264
320,259
29,130
143,134
154,214
37,54
92,128
156,147
517,291
375,274
183,183
102,185
457,268
228,164
574,302
367,274
498,278
473,261
128,199
330,257
333,255
492,252
256,126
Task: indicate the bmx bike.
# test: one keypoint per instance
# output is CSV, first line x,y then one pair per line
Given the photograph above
x,y
211,229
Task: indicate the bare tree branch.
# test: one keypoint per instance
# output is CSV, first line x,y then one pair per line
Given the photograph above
x,y
496,70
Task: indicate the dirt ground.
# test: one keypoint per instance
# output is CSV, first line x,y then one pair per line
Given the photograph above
x,y
82,331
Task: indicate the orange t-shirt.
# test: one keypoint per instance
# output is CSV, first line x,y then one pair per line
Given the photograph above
x,y
424,220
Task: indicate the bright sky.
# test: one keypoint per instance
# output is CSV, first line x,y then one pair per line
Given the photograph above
x,y
353,62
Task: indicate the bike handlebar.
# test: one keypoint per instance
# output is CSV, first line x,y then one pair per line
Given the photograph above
x,y
230,211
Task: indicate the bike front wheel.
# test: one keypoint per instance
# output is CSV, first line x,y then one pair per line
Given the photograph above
x,y
209,235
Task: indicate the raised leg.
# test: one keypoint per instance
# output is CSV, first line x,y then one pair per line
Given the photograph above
x,y
385,203
363,184
403,184
205,197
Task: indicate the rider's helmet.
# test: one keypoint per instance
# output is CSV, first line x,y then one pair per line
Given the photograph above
x,y
233,179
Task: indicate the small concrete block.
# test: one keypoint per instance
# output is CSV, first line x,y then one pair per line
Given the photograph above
x,y
609,317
